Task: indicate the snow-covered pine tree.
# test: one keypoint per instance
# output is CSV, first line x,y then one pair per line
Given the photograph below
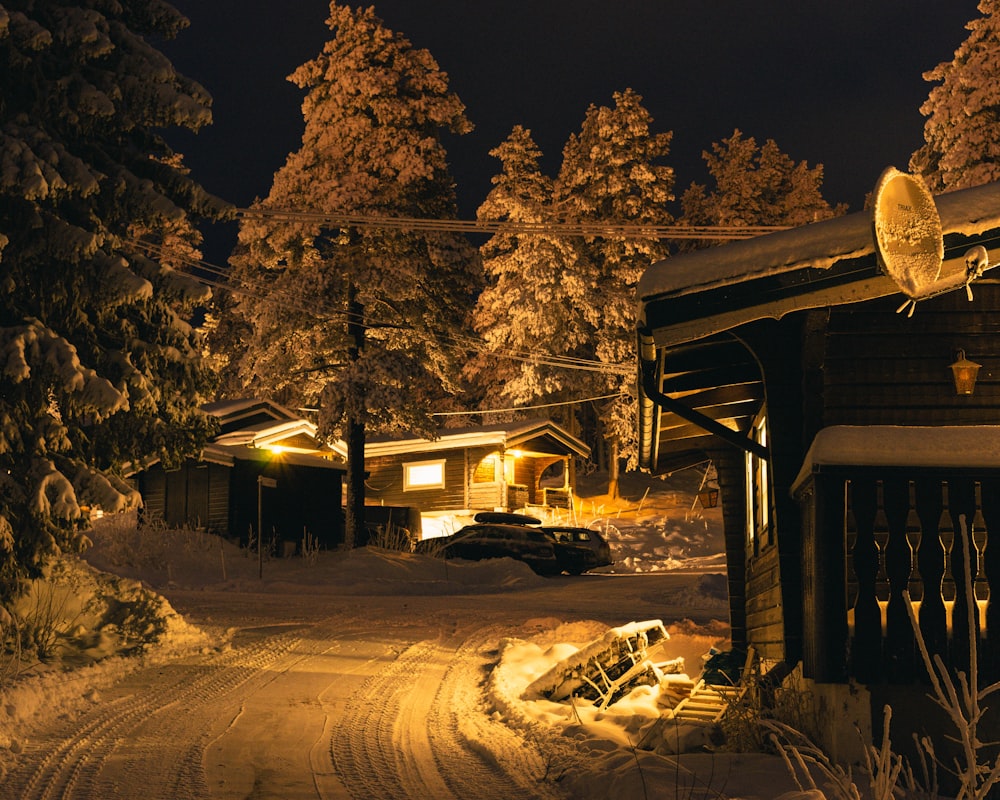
x,y
613,171
100,365
962,130
360,321
756,186
536,301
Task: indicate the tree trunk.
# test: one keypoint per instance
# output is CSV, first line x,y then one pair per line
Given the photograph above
x,y
613,467
354,514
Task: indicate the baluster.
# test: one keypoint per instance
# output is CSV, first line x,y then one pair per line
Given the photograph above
x,y
962,503
866,654
991,568
931,564
899,641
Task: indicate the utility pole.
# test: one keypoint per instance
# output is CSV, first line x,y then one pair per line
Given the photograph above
x,y
354,513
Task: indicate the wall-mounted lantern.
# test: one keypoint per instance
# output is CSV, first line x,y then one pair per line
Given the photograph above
x,y
709,497
964,372
708,492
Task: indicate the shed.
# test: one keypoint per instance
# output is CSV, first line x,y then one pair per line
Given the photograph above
x,y
768,356
264,471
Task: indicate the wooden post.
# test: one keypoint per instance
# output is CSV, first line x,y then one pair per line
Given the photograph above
x,y
900,655
867,650
933,617
270,483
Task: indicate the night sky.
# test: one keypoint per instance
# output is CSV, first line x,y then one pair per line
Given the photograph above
x,y
833,83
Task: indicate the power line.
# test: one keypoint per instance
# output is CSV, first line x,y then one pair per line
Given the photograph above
x,y
562,228
297,302
524,408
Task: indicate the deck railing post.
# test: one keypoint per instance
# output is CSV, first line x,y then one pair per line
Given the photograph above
x,y
962,503
899,639
866,652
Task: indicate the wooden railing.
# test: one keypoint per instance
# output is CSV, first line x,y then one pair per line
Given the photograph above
x,y
904,533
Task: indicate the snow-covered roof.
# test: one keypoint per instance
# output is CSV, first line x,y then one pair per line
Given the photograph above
x,y
832,262
508,436
246,407
819,245
278,433
943,446
227,455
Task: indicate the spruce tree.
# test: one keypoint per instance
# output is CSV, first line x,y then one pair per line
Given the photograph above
x,y
614,172
101,366
360,321
536,301
962,130
755,186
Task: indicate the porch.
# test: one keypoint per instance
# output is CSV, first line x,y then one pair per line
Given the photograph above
x,y
875,534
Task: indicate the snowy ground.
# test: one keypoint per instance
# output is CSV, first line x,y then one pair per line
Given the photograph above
x,y
183,667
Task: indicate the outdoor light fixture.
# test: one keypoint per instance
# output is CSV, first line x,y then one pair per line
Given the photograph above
x,y
964,373
708,492
709,497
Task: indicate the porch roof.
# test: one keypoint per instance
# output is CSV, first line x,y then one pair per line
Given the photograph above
x,y
944,446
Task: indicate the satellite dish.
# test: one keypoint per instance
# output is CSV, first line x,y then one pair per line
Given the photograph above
x,y
908,238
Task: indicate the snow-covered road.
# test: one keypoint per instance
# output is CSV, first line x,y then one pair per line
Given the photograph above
x,y
317,695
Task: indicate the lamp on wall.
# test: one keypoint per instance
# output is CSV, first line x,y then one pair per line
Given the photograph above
x,y
964,372
708,492
709,497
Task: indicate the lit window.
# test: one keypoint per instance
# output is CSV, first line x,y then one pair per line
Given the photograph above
x,y
758,481
423,475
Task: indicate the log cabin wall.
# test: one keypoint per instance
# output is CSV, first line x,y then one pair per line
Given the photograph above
x,y
773,567
196,495
384,484
885,368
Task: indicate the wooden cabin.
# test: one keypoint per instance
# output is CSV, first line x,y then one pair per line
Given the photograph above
x,y
265,470
503,467
814,366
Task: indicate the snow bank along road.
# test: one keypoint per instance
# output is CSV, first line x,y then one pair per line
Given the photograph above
x,y
329,697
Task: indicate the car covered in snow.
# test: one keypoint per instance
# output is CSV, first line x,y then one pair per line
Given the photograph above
x,y
579,549
547,549
497,540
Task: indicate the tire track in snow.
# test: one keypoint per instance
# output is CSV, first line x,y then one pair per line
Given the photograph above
x,y
416,730
105,751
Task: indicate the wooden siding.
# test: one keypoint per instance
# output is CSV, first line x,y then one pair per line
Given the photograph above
x,y
466,481
765,619
385,480
775,611
524,475
884,368
223,499
218,499
305,500
732,485
195,495
152,485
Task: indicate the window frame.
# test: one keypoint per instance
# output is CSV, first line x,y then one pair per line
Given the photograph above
x,y
759,511
410,466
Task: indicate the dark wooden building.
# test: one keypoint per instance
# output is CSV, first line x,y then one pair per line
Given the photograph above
x,y
265,471
800,363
